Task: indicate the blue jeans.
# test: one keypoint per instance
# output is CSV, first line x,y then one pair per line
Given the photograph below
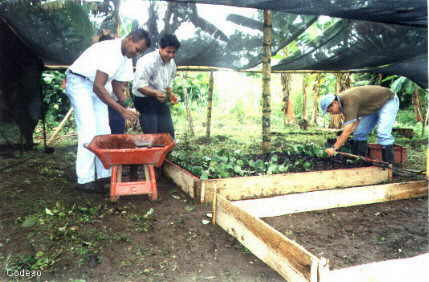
x,y
383,119
155,117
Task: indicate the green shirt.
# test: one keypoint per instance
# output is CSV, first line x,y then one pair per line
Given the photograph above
x,y
363,100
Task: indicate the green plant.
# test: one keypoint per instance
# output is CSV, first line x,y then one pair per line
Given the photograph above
x,y
55,101
231,159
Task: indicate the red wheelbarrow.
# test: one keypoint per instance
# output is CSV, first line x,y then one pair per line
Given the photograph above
x,y
116,150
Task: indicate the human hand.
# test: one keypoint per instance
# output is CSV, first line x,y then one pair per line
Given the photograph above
x,y
161,96
173,99
130,114
331,152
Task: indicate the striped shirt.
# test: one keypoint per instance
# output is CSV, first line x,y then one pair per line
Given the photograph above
x,y
152,71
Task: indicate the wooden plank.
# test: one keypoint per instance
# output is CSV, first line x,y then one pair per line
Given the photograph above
x,y
285,256
239,188
328,199
189,183
398,270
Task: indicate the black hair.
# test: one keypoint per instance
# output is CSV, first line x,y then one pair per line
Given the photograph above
x,y
169,40
106,36
140,34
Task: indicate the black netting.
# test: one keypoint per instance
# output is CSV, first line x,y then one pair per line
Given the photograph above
x,y
415,68
57,32
228,39
407,12
357,45
231,37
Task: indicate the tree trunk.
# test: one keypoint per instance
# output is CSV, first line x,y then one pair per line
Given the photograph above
x,y
287,109
209,104
117,18
316,95
304,98
417,105
343,83
425,124
266,79
188,113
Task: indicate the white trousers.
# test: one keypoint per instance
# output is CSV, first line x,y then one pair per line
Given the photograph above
x,y
92,118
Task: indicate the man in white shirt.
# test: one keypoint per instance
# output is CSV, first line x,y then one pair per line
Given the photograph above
x,y
106,62
116,121
152,86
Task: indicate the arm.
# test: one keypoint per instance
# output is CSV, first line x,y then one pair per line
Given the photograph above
x,y
144,71
342,139
100,90
149,91
119,90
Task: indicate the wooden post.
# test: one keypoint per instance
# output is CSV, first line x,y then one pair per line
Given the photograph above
x,y
266,79
188,109
209,104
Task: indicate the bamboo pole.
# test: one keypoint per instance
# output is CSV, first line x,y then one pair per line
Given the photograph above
x,y
304,98
266,79
207,68
209,104
188,110
60,126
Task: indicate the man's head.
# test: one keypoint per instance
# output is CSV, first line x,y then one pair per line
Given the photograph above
x,y
330,104
168,46
135,43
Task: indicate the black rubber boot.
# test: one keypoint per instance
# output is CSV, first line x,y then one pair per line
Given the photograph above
x,y
387,153
360,148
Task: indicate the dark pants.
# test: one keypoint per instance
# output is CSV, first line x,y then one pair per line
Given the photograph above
x,y
155,117
116,122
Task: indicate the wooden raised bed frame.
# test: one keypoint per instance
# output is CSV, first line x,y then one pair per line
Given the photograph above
x,y
292,261
276,184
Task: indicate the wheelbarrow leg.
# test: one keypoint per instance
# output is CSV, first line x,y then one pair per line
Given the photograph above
x,y
151,179
114,180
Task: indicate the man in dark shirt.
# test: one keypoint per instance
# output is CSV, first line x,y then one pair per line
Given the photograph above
x,y
364,108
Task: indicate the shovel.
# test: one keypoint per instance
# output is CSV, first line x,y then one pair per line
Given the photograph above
x,y
395,170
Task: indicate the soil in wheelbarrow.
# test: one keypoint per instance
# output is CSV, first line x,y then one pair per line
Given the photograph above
x,y
362,234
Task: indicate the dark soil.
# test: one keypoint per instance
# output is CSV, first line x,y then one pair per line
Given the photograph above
x,y
85,236
317,163
361,234
117,243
